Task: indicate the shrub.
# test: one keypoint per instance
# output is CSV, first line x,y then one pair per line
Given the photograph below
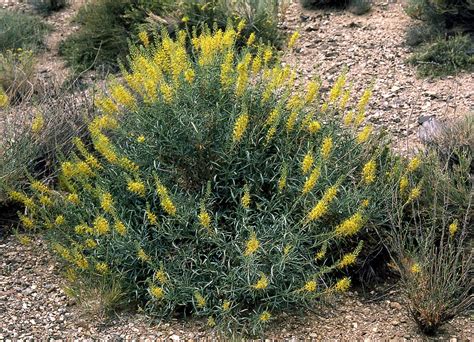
x,y
357,7
444,57
214,188
432,244
19,30
260,17
17,74
105,27
422,33
48,6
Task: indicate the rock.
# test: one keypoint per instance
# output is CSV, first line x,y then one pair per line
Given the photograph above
x,y
395,305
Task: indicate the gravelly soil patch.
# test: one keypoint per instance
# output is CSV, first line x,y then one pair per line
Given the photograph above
x,y
373,47
33,305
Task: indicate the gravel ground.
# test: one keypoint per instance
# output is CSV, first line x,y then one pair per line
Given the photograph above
x,y
33,305
373,47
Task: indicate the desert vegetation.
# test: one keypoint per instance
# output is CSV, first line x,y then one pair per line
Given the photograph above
x,y
203,180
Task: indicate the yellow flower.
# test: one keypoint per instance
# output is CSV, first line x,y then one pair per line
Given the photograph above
x,y
3,98
290,123
45,200
251,39
211,322
73,198
101,225
311,180
24,239
83,169
161,276
59,220
200,300
81,261
321,208
415,268
413,164
256,65
403,184
137,187
312,91
227,69
157,292
287,249
239,127
120,228
26,222
294,37
453,228
106,105
141,254
241,26
348,118
252,245
336,90
364,135
265,316
347,260
350,226
322,252
314,126
151,217
185,19
343,285
273,116
90,243
141,139
415,193
344,99
204,218
39,187
245,200
167,92
267,54
307,162
283,177
165,200
37,123
102,267
226,305
189,75
81,228
122,96
365,203
262,283
143,36
107,202
310,286
326,147
364,100
368,172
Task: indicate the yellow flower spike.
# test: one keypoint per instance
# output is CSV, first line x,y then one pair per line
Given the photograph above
x,y
189,75
252,245
122,96
245,200
60,220
344,99
161,276
204,218
322,252
414,193
364,100
294,37
453,228
270,134
368,172
211,322
37,124
403,184
151,217
143,36
167,92
348,118
81,229
241,26
106,105
336,90
267,54
89,243
314,127
364,135
290,123
262,282
265,316
287,249
120,228
46,200
256,65
142,256
321,208
310,286
81,261
283,177
350,226
157,292
326,148
136,187
101,225
324,107
26,222
141,139
307,162
415,268
226,305
227,69
3,98
251,39
343,285
101,267
273,117
311,91
239,127
200,300
414,164
185,19
128,165
107,202
40,187
311,180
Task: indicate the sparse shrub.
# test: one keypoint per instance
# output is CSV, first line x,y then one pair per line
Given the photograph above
x,y
357,7
444,57
17,74
48,6
18,30
422,33
431,242
260,17
360,7
214,188
105,27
